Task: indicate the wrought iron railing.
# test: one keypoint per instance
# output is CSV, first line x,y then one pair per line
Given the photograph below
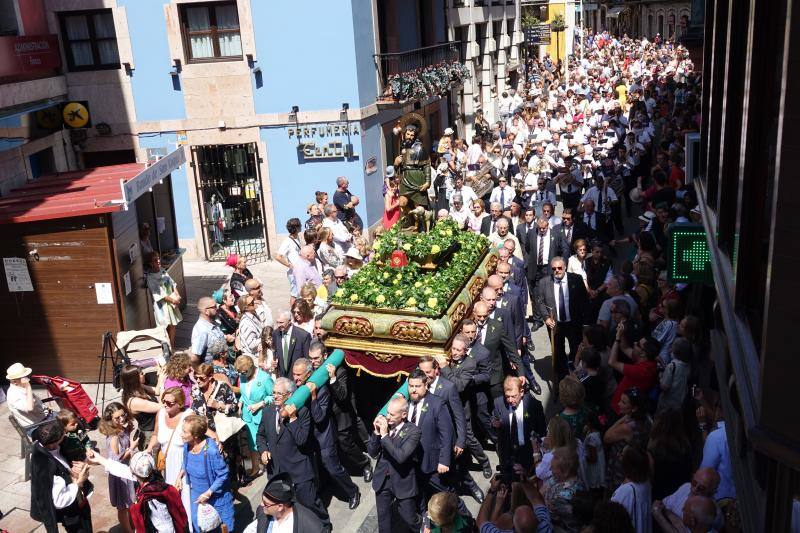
x,y
398,63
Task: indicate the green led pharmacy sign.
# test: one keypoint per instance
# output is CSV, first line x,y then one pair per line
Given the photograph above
x,y
688,258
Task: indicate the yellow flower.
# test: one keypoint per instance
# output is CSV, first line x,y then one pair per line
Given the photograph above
x,y
418,284
354,297
449,233
398,292
377,245
411,302
435,249
380,299
428,290
395,281
432,302
385,275
340,293
407,246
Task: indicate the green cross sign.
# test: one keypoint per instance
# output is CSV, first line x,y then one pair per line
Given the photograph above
x,y
688,258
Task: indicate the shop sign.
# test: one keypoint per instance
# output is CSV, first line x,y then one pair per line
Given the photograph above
x,y
324,141
539,34
151,176
20,54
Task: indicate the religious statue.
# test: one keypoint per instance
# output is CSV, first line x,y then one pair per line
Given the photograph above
x,y
414,167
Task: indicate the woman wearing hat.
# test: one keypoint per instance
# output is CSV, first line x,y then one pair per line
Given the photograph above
x,y
166,298
26,407
353,261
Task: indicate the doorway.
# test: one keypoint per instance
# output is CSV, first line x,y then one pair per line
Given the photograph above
x,y
228,187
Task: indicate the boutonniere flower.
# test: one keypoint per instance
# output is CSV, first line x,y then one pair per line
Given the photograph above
x,y
402,434
499,319
526,415
424,408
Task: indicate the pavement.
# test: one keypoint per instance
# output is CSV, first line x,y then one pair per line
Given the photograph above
x,y
202,278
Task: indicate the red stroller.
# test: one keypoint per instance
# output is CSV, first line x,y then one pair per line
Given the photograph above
x,y
72,396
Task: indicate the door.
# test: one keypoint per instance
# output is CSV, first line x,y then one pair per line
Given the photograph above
x,y
228,187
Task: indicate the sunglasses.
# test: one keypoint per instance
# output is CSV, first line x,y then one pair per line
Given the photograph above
x,y
168,404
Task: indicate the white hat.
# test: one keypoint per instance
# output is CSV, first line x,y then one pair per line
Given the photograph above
x,y
636,195
354,253
449,131
647,216
17,371
390,171
142,464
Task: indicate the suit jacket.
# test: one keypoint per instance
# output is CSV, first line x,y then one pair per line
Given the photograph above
x,y
304,520
578,298
486,224
533,252
502,351
436,425
322,422
521,232
514,302
579,231
483,364
533,421
342,401
396,461
299,342
289,449
448,392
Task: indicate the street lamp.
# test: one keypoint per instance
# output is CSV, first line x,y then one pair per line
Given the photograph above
x,y
581,31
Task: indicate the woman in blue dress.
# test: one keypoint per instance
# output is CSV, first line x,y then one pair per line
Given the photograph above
x,y
255,388
206,471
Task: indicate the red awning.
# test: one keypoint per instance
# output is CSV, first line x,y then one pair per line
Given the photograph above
x,y
69,194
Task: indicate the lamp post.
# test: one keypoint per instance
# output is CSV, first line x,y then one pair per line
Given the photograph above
x,y
581,36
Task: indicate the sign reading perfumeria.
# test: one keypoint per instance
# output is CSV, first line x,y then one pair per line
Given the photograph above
x,y
332,140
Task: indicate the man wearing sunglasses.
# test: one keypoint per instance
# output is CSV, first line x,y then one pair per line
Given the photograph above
x,y
563,302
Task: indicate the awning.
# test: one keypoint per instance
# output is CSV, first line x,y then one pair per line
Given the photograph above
x,y
78,193
616,11
586,7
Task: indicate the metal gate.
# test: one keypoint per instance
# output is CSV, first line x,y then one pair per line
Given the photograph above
x,y
228,186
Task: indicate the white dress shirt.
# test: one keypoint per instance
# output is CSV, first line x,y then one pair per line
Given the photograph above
x,y
342,238
415,410
507,193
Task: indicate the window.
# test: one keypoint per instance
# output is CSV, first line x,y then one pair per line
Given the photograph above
x,y
90,40
211,31
8,18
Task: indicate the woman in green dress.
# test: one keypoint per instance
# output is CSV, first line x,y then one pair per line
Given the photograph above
x,y
255,387
166,298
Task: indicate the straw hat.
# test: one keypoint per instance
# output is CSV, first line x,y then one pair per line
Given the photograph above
x,y
17,371
353,253
636,195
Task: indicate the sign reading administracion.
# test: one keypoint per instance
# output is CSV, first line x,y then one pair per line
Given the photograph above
x,y
333,140
152,175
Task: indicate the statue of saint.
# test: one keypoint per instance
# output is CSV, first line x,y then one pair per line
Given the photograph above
x,y
414,167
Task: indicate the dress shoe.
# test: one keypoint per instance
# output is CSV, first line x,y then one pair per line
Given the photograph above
x,y
487,471
367,474
354,501
477,493
535,387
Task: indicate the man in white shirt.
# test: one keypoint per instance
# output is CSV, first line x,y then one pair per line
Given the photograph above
x,y
502,194
26,407
342,239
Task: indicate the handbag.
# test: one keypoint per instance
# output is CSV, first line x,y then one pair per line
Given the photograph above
x,y
227,426
208,518
161,458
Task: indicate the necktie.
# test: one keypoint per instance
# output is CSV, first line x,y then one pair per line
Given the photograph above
x,y
569,234
415,409
493,223
286,351
600,201
392,433
541,196
540,256
503,197
562,305
480,332
514,428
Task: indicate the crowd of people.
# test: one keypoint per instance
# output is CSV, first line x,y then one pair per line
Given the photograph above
x,y
580,150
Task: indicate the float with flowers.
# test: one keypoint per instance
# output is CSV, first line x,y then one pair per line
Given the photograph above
x,y
410,299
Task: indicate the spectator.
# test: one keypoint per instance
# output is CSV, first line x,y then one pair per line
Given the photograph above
x,y
288,253
140,400
205,472
302,316
239,276
699,513
342,237
559,434
642,374
117,426
667,330
635,492
611,517
675,377
23,403
632,428
315,216
248,336
178,372
329,255
208,339
670,453
256,386
560,489
571,394
166,298
716,455
76,440
669,512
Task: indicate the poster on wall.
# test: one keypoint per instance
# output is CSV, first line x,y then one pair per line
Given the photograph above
x,y
17,275
127,279
103,292
371,166
133,252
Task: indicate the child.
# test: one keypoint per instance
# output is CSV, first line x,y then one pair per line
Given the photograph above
x,y
76,441
117,425
594,466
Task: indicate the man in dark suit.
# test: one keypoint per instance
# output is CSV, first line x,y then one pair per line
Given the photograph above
x,y
521,231
513,260
480,396
495,213
325,430
431,415
502,350
542,247
344,412
445,389
278,503
563,300
517,272
592,220
516,417
393,444
569,231
290,343
283,441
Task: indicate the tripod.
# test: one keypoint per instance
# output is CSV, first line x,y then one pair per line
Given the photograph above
x,y
110,353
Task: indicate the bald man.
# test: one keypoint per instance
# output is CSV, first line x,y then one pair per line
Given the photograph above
x,y
669,511
206,335
699,513
503,353
307,269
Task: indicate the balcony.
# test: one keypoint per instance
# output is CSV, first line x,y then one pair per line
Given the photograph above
x,y
419,73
